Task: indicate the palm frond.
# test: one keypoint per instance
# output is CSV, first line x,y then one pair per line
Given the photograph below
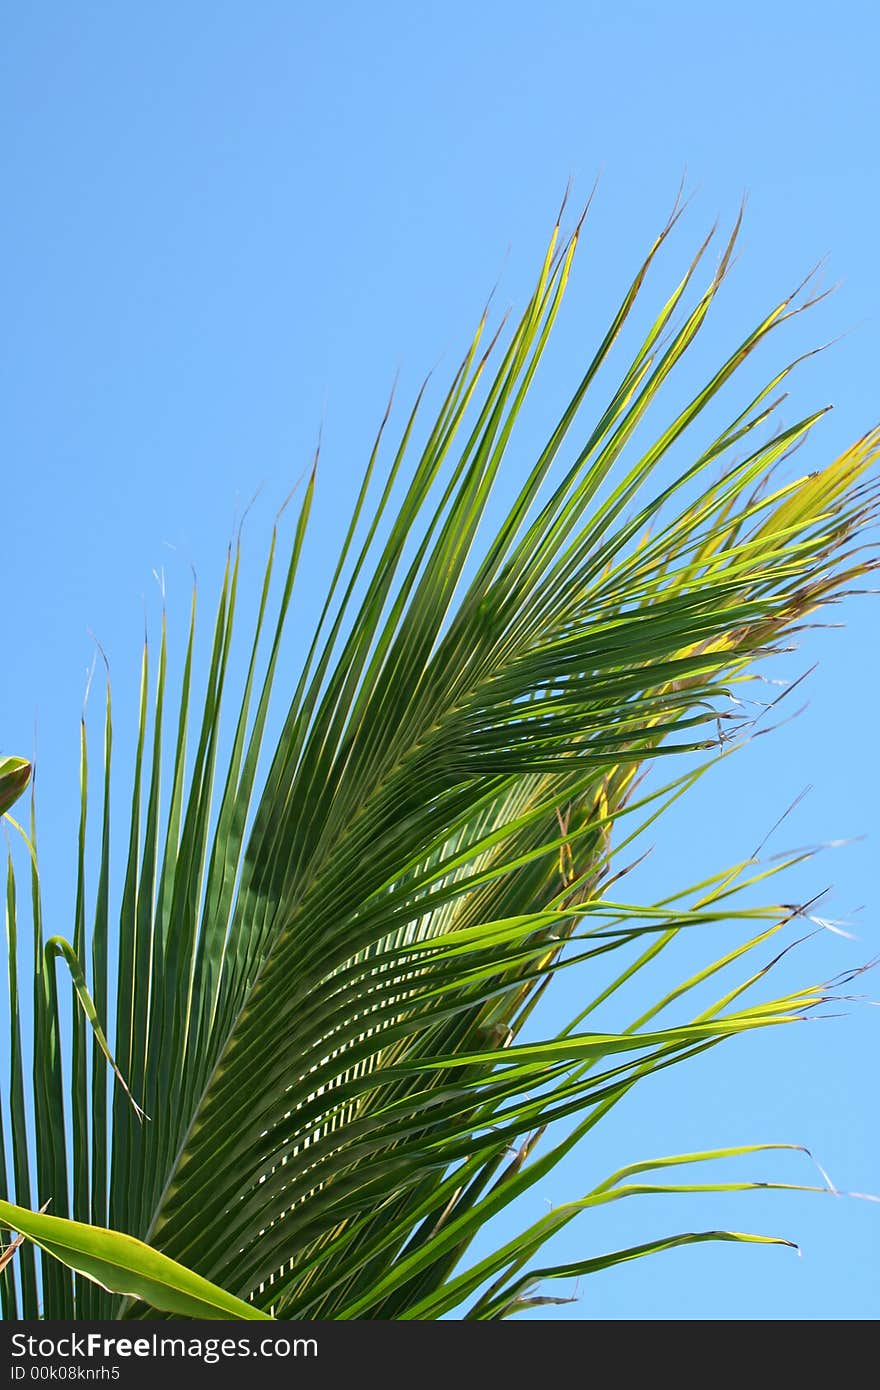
x,y
327,960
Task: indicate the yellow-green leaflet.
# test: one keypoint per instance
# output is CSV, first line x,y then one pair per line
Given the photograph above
x,y
14,777
123,1265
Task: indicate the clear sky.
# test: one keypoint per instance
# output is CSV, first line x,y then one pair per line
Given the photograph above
x,y
225,223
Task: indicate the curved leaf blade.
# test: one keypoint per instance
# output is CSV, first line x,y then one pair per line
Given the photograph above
x,y
127,1266
15,773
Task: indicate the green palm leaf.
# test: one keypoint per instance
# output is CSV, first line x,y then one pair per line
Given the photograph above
x,y
14,776
325,963
122,1265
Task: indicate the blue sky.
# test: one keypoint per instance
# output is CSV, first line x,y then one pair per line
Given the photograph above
x,y
227,225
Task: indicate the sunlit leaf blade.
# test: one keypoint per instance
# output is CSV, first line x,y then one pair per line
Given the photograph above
x,y
126,1266
15,774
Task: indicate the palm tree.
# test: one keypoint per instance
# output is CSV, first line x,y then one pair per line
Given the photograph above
x,y
319,1084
